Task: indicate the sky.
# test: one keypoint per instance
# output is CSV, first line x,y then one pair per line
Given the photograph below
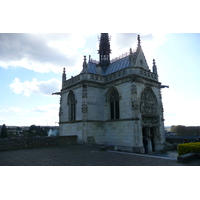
x,y
31,66
40,38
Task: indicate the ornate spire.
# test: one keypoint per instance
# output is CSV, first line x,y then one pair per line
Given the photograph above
x,y
139,41
85,65
104,50
139,44
64,75
84,60
154,67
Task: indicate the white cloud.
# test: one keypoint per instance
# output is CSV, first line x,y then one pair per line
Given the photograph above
x,y
122,42
46,108
51,52
46,114
14,109
88,50
13,113
35,87
41,52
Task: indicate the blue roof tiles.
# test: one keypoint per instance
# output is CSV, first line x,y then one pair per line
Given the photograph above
x,y
117,65
92,68
112,68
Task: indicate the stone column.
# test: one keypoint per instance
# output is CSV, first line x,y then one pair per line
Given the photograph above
x,y
137,137
84,110
134,100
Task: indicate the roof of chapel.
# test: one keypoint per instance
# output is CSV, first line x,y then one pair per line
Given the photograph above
x,y
115,66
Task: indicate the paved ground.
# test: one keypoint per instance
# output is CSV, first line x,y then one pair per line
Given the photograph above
x,y
80,155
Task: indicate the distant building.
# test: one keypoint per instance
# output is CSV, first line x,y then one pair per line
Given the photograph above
x,y
170,133
114,102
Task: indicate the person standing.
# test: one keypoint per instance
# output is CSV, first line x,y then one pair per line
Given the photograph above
x,y
145,143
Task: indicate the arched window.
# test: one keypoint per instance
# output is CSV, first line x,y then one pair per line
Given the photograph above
x,y
72,106
114,104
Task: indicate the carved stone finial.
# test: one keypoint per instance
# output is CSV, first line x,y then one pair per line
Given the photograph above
x,y
85,65
139,41
154,62
64,75
154,67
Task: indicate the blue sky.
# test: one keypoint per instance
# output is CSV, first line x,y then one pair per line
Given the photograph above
x,y
31,68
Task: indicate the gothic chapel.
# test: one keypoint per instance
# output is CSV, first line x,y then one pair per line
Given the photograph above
x,y
114,102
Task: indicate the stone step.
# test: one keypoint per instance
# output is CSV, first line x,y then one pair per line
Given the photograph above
x,y
124,148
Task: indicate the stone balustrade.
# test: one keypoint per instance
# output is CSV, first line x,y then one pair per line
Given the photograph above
x,y
147,74
104,79
116,75
72,80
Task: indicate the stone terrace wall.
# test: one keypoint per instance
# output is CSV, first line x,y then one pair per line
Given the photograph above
x,y
34,142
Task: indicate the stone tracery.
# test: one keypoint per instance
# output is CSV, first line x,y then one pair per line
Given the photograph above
x,y
148,102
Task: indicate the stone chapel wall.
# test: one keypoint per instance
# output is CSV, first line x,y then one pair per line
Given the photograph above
x,y
72,129
95,102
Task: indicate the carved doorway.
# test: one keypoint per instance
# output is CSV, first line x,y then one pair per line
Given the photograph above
x,y
145,139
152,137
144,131
150,117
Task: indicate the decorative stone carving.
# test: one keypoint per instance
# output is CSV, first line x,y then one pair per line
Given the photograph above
x,y
84,108
133,88
150,120
92,76
148,74
158,136
114,96
84,94
135,105
148,103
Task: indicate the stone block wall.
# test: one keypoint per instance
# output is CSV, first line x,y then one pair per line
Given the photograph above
x,y
120,133
95,102
34,142
73,129
95,130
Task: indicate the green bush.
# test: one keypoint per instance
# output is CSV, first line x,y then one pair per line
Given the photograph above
x,y
188,148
